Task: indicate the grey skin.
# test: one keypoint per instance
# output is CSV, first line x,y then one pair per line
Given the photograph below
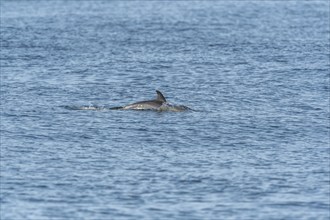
x,y
158,104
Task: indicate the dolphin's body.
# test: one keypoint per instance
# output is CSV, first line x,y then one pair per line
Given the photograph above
x,y
158,104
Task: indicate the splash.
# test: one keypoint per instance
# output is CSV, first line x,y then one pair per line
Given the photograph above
x,y
87,107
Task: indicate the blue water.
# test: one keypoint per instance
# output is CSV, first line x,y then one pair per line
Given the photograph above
x,y
255,72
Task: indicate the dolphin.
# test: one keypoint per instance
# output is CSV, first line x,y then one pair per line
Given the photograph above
x,y
158,104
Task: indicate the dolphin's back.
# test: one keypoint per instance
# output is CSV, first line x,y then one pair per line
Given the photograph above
x,y
144,105
158,104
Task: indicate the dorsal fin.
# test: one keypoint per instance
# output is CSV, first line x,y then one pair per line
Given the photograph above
x,y
160,96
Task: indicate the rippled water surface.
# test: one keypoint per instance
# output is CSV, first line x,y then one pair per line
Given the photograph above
x,y
256,145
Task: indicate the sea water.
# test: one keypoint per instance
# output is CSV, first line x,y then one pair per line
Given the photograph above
x,y
255,72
